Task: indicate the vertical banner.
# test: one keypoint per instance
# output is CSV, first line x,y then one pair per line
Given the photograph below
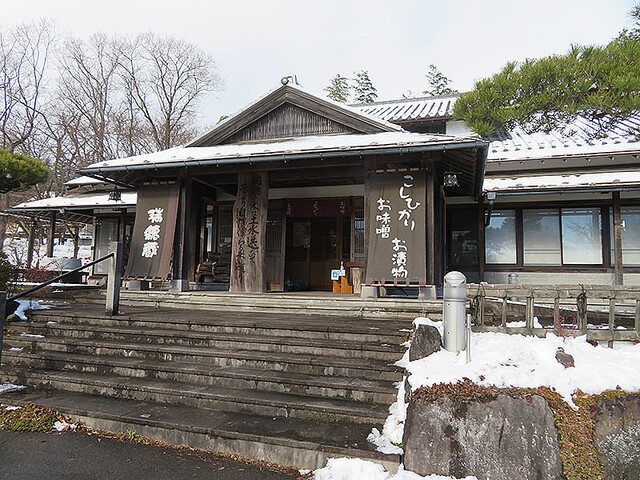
x,y
249,228
397,232
153,231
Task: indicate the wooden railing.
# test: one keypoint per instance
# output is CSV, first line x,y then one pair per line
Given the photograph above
x,y
603,313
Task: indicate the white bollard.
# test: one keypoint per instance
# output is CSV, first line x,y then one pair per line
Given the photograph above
x,y
454,311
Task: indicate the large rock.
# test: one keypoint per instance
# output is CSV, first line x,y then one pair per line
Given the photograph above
x,y
425,341
617,436
503,438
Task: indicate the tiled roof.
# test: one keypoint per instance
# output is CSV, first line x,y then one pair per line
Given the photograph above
x,y
409,109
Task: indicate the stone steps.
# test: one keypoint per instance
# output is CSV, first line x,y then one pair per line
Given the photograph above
x,y
235,400
358,389
297,304
224,341
287,441
331,371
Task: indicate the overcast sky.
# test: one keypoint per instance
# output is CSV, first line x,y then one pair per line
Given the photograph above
x,y
255,43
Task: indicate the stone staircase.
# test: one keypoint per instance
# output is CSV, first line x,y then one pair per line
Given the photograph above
x,y
291,388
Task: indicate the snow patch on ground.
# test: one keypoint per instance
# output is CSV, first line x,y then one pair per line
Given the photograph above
x,y
11,409
524,361
24,305
8,387
358,469
388,440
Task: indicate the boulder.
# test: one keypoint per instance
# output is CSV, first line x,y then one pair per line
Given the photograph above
x,y
501,438
617,436
425,341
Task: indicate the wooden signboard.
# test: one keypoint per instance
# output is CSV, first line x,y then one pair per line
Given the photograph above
x,y
249,227
397,232
153,231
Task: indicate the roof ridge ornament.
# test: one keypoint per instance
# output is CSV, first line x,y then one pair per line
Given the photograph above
x,y
293,79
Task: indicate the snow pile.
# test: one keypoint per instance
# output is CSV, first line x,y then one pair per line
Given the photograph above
x,y
391,436
11,409
24,305
8,387
524,361
358,469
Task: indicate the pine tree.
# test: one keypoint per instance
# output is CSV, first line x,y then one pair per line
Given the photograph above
x,y
438,83
365,92
339,89
600,83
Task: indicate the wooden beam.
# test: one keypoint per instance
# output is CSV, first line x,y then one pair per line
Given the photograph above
x,y
617,239
431,223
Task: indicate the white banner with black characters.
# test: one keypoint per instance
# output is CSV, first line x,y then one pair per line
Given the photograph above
x,y
397,231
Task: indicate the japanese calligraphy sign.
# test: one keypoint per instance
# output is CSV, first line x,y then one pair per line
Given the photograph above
x,y
397,233
153,231
249,228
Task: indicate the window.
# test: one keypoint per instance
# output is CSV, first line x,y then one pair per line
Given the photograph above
x,y
555,236
274,231
581,236
541,237
358,230
463,243
630,236
500,237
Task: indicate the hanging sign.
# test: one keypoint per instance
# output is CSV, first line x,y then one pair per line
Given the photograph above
x,y
153,232
397,233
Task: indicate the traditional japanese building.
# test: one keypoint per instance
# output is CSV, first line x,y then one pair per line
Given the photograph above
x,y
294,186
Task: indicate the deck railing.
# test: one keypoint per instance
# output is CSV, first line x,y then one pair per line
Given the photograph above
x,y
603,313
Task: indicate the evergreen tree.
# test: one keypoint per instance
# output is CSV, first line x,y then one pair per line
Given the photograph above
x,y
438,83
20,172
339,89
365,92
601,83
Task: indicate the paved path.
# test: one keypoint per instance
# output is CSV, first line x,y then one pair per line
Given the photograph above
x,y
70,456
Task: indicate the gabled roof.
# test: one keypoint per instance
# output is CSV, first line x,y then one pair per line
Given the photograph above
x,y
79,201
344,119
411,109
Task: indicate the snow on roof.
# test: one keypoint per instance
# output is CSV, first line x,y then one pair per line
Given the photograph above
x,y
420,108
230,153
84,180
576,140
556,182
80,202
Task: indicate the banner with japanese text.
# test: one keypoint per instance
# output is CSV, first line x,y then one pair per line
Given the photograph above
x,y
153,232
397,232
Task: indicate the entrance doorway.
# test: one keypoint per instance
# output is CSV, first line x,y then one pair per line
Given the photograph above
x,y
314,246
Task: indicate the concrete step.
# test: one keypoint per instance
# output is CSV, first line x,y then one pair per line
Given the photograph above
x,y
275,361
371,391
264,325
157,336
382,308
271,404
286,441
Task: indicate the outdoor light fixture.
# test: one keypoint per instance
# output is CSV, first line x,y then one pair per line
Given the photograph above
x,y
115,195
450,180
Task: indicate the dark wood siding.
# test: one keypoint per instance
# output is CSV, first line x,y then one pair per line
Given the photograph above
x,y
287,121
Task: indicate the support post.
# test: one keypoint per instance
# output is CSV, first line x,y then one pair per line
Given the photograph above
x,y
52,233
3,311
556,314
529,311
31,241
504,310
617,240
114,280
637,317
612,319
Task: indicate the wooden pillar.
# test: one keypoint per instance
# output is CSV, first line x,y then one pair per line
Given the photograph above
x,y
52,233
249,233
431,224
369,167
31,240
3,314
617,240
